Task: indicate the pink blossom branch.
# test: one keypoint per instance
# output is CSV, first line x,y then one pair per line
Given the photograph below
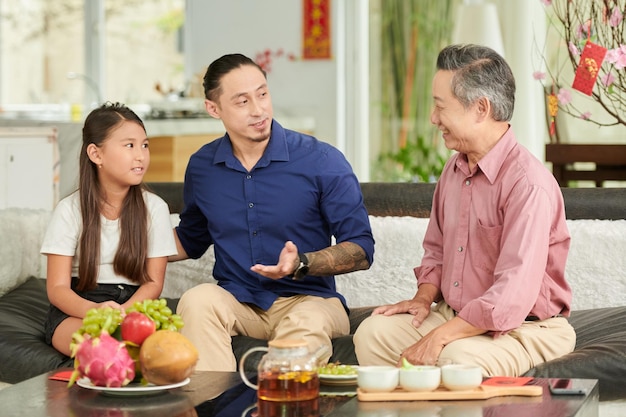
x,y
601,22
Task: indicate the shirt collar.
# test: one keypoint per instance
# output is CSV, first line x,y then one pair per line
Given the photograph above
x,y
276,148
492,162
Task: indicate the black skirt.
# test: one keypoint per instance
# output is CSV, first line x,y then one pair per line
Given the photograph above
x,y
119,293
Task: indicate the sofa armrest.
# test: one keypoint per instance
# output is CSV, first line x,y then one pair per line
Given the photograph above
x,y
600,352
22,335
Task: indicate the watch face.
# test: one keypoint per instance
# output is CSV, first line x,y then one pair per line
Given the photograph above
x,y
303,268
301,271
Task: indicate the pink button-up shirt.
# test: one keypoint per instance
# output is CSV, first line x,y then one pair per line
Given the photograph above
x,y
497,241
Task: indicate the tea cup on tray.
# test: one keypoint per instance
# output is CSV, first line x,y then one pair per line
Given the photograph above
x,y
458,377
420,378
378,378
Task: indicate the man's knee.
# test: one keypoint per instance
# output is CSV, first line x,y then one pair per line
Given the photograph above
x,y
506,359
327,316
198,296
370,330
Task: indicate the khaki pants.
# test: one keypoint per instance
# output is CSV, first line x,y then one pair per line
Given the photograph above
x,y
380,340
212,316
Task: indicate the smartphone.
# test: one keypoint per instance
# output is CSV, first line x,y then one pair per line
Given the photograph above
x,y
565,386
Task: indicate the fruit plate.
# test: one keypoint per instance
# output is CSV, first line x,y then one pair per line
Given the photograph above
x,y
338,379
132,389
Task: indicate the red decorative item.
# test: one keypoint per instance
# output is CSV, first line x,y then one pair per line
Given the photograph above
x,y
316,29
553,109
589,67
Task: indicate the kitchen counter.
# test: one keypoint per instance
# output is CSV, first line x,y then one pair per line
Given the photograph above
x,y
201,125
173,142
70,138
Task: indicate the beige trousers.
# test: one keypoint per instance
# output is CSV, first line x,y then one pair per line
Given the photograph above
x,y
212,316
380,340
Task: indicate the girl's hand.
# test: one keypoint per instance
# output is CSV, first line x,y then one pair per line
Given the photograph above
x,y
111,304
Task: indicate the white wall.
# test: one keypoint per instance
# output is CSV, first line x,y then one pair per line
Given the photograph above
x,y
523,28
299,88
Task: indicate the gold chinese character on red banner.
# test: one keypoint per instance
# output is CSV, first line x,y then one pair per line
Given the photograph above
x,y
589,67
316,29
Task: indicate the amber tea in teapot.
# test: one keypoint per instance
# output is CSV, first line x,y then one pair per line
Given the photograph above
x,y
301,385
287,372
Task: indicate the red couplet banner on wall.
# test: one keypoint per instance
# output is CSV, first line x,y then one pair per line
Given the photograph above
x,y
316,29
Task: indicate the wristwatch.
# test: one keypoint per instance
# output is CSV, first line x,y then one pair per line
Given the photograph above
x,y
302,269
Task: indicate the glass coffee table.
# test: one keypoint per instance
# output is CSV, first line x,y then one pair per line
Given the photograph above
x,y
44,397
223,394
341,401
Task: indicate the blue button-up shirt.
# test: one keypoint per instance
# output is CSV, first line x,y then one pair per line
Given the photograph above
x,y
301,190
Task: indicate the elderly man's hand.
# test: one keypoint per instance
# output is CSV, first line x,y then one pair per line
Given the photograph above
x,y
418,307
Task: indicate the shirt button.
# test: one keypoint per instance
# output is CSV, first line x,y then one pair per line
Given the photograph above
x,y
254,233
456,283
250,205
460,248
467,182
248,176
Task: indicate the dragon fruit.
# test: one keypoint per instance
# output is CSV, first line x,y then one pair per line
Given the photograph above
x,y
104,360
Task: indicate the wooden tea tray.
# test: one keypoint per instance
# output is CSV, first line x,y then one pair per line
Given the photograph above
x,y
482,392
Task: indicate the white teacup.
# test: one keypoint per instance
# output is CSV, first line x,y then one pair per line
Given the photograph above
x,y
378,378
420,378
457,377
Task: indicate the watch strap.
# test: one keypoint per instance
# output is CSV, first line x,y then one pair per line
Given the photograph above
x,y
302,269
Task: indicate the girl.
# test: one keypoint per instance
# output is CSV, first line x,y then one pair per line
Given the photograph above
x,y
107,243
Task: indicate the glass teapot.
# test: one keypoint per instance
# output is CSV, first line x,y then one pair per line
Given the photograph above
x,y
287,372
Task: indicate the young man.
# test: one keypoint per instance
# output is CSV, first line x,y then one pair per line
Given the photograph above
x,y
496,244
270,200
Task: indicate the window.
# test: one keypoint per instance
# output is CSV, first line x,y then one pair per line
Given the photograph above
x,y
43,58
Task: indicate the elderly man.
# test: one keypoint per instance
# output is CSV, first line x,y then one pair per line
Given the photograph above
x,y
491,285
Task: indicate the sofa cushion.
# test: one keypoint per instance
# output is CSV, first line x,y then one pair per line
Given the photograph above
x,y
600,352
20,256
23,350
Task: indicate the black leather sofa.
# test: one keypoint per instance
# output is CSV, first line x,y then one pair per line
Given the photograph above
x,y
601,333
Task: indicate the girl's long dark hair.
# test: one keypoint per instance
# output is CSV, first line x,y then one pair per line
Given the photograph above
x,y
130,258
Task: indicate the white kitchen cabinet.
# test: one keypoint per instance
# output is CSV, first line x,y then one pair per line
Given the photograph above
x,y
29,167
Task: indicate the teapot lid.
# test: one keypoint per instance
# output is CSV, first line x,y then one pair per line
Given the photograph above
x,y
287,343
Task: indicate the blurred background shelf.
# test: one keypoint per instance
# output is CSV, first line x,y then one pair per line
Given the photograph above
x,y
605,162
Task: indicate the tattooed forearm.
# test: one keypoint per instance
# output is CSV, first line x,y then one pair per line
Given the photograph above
x,y
337,259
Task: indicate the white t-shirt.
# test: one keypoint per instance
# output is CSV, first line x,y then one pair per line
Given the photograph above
x,y
65,227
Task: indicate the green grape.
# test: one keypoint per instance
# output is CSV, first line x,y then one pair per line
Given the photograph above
x,y
337,369
160,313
92,328
156,316
97,320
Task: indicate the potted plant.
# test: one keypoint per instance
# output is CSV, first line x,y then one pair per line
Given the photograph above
x,y
412,34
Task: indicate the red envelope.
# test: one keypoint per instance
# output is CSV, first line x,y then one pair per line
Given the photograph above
x,y
508,381
61,376
589,67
